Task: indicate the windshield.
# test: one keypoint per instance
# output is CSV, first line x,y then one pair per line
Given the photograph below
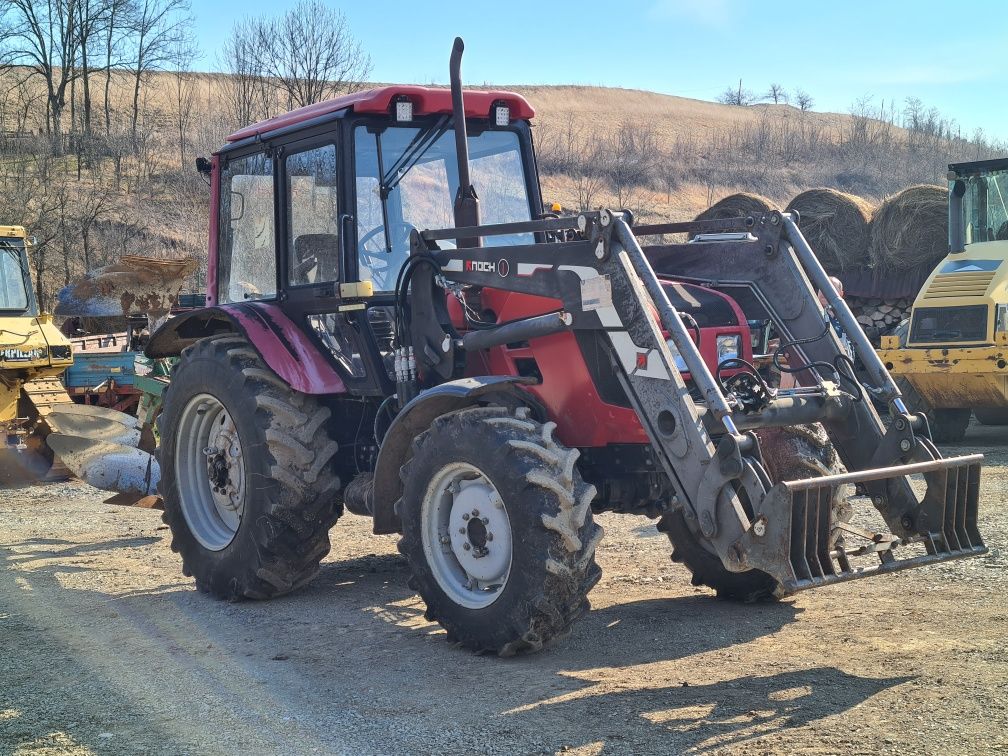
x,y
985,207
416,170
13,295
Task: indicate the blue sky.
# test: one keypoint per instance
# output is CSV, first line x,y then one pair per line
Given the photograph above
x,y
952,55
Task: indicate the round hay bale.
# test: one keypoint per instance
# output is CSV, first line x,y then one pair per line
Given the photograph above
x,y
836,225
738,205
909,231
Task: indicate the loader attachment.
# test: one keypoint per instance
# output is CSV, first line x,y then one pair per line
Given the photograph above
x,y
795,538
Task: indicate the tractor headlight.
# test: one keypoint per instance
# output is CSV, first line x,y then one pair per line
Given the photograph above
x,y
1001,319
728,347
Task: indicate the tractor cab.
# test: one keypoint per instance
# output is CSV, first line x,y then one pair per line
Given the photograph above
x,y
314,209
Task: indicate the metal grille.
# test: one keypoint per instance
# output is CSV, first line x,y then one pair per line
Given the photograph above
x,y
949,324
959,285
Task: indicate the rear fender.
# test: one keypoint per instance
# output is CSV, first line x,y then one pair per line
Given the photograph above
x,y
416,417
283,346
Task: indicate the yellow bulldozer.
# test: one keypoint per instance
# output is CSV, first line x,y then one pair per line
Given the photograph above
x,y
952,360
43,433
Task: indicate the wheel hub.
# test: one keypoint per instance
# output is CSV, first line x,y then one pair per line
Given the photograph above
x,y
210,470
467,535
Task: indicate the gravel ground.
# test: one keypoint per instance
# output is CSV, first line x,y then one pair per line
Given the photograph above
x,y
106,648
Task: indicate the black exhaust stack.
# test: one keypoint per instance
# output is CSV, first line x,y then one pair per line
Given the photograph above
x,y
466,201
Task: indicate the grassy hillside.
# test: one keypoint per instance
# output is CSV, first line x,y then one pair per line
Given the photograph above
x,y
119,191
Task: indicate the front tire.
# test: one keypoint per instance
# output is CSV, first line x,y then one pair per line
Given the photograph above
x,y
791,453
498,530
247,481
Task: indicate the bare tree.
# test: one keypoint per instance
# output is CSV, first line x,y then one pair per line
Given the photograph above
x,y
244,85
43,37
311,54
183,95
113,32
777,94
739,96
157,29
804,100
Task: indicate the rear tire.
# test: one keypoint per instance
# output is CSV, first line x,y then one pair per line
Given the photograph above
x,y
948,426
992,416
280,496
538,505
792,453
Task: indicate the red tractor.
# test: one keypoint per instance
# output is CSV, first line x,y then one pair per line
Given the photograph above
x,y
484,388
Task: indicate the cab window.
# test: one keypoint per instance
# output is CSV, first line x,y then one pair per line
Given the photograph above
x,y
247,246
406,178
313,228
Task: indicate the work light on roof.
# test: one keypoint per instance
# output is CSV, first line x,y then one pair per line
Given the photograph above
x,y
501,114
403,110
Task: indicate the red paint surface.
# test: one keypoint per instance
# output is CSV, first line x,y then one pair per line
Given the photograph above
x,y
211,292
290,354
583,419
426,100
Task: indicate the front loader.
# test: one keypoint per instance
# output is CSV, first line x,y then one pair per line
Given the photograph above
x,y
483,390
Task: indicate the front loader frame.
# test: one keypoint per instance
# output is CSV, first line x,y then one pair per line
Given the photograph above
x,y
607,282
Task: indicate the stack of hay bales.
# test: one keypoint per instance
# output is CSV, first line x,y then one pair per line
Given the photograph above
x,y
909,231
836,225
737,205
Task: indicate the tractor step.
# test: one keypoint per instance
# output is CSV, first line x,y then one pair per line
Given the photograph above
x,y
803,548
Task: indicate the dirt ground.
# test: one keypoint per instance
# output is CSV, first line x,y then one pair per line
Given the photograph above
x,y
106,648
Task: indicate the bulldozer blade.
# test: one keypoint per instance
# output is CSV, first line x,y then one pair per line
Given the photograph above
x,y
108,465
133,286
97,427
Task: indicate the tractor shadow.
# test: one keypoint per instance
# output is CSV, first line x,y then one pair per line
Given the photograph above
x,y
623,678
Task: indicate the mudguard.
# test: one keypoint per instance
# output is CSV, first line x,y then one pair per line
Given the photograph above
x,y
283,345
416,417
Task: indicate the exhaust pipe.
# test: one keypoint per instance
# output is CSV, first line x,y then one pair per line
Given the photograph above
x,y
466,201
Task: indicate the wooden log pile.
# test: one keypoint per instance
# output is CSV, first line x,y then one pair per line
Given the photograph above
x,y
880,314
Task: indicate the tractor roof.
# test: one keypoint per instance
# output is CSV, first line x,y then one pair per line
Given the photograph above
x,y
15,232
426,100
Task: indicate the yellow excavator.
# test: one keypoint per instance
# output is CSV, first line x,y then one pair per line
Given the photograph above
x,y
41,428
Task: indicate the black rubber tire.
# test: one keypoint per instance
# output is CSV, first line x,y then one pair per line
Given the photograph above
x,y
293,497
992,416
792,453
549,506
948,426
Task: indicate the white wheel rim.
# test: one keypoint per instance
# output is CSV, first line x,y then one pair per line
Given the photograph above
x,y
210,472
466,535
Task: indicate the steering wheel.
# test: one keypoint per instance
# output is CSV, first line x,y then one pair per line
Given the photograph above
x,y
379,261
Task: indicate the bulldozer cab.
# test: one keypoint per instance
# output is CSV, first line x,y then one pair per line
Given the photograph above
x,y
17,298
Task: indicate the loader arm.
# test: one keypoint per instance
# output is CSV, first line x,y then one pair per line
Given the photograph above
x,y
606,283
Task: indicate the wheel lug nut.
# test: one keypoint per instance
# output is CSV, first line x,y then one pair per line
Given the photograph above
x,y
486,520
462,531
489,537
465,516
466,546
445,540
475,513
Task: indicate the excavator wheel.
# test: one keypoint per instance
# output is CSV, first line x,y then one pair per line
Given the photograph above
x,y
948,426
498,530
792,453
248,486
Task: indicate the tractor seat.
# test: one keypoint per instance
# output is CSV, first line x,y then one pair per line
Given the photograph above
x,y
315,258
